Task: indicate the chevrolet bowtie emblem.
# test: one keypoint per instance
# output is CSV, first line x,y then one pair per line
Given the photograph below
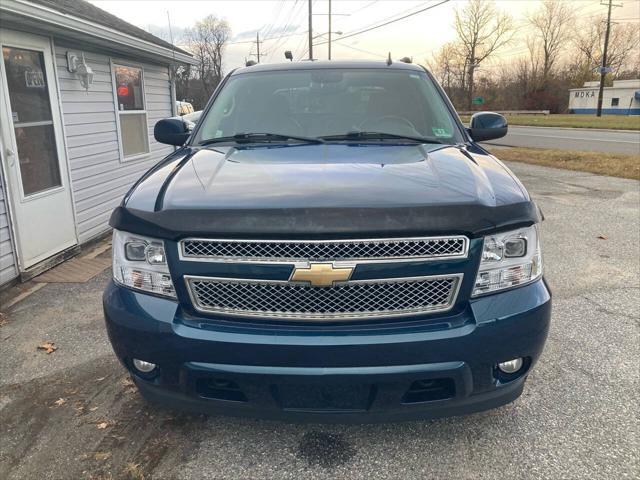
x,y
321,274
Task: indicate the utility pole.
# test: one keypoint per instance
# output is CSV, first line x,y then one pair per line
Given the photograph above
x,y
257,54
472,68
258,45
603,68
310,30
329,30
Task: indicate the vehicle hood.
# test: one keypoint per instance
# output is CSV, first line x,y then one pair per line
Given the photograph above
x,y
327,189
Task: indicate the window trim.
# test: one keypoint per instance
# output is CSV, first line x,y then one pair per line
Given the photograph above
x,y
114,88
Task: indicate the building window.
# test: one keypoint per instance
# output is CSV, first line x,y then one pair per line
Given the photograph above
x,y
615,102
132,114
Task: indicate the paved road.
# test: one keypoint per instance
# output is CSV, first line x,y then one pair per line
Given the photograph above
x,y
73,414
610,141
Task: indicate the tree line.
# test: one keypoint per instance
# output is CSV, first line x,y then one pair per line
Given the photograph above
x,y
544,55
560,51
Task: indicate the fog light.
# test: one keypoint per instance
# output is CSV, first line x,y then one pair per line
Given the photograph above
x,y
142,366
512,366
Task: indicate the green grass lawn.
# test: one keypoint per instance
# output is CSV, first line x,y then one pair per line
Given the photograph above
x,y
615,122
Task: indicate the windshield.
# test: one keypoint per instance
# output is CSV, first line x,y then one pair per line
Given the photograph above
x,y
328,103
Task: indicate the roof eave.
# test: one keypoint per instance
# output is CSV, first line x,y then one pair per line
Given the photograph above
x,y
68,22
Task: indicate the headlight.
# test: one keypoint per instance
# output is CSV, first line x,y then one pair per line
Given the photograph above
x,y
509,259
140,262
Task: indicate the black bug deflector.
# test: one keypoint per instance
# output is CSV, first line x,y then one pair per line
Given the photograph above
x,y
471,220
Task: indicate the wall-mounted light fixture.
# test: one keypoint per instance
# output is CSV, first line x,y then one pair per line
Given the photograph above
x,y
79,66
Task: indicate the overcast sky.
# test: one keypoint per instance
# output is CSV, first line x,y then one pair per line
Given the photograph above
x,y
284,24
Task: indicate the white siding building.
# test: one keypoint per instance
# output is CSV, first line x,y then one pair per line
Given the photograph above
x,y
623,98
80,93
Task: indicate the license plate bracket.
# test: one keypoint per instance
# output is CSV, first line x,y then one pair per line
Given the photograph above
x,y
341,397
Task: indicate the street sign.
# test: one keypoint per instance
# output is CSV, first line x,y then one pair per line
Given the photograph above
x,y
602,70
478,100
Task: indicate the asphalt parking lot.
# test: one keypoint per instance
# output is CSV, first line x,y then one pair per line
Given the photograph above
x,y
73,414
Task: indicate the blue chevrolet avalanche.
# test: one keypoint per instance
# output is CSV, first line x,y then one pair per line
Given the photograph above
x,y
329,243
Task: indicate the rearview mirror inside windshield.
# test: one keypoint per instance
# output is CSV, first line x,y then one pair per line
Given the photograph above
x,y
327,76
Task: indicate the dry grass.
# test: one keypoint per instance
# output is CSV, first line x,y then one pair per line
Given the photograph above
x,y
615,122
612,164
133,471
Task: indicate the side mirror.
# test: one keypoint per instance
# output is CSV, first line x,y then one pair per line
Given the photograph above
x,y
487,126
171,131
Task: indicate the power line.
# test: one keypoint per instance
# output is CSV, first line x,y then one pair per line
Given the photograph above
x,y
402,12
362,8
296,51
337,42
349,35
287,23
300,50
275,19
294,13
284,28
294,34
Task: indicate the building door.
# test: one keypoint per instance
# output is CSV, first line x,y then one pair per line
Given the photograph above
x,y
33,154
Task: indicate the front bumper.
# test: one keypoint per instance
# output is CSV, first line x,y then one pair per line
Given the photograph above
x,y
422,369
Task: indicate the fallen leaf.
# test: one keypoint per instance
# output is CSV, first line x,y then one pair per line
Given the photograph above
x,y
3,319
49,347
102,455
127,382
93,409
603,237
134,471
61,401
102,425
100,379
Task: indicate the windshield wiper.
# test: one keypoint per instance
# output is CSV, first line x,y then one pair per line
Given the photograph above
x,y
260,137
379,136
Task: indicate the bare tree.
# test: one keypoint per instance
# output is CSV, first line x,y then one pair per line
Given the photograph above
x,y
623,44
447,64
207,41
551,27
482,31
183,75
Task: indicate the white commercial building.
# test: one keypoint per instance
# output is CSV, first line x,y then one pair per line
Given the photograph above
x,y
623,98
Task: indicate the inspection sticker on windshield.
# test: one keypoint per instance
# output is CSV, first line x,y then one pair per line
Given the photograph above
x,y
440,132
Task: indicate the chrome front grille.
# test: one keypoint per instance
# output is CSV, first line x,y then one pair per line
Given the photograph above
x,y
353,299
195,249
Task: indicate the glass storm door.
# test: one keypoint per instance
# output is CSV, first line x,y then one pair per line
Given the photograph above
x,y
33,156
